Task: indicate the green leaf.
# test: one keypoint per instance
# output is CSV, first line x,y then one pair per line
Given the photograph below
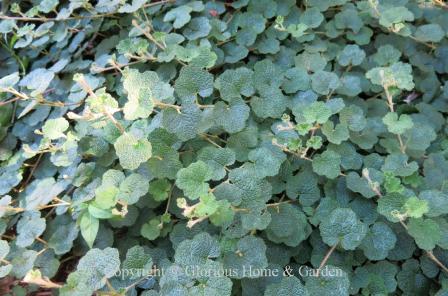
x,y
132,188
60,234
180,15
314,142
304,186
9,80
397,125
296,79
327,283
267,76
351,55
288,225
40,192
398,165
89,226
429,33
159,189
272,104
151,230
342,226
96,211
266,162
37,80
312,17
99,265
193,179
4,249
106,196
386,55
349,19
54,128
130,8
297,30
102,101
361,185
398,75
29,227
184,125
144,91
235,83
380,239
23,262
327,164
426,232
193,81
353,116
197,251
217,159
392,206
324,82
395,15
232,118
335,134
437,203
199,27
316,112
415,207
137,259
249,253
288,286
132,151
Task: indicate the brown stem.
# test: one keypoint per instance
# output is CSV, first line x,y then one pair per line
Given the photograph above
x,y
164,105
114,121
32,171
437,261
327,256
148,35
430,253
10,101
276,204
205,137
159,3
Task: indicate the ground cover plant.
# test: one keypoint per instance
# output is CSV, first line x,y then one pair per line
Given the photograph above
x,y
250,147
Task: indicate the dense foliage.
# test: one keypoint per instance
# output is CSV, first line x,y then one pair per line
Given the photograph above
x,y
142,143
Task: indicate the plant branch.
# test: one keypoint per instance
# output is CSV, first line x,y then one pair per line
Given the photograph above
x,y
326,257
436,261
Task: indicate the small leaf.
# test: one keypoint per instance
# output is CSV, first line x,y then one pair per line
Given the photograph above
x,y
327,164
192,180
54,128
89,226
426,232
132,151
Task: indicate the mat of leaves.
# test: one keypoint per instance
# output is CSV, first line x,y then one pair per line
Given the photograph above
x,y
179,136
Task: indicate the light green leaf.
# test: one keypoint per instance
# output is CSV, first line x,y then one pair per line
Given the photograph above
x,y
426,232
132,151
415,207
54,128
397,125
89,226
192,179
